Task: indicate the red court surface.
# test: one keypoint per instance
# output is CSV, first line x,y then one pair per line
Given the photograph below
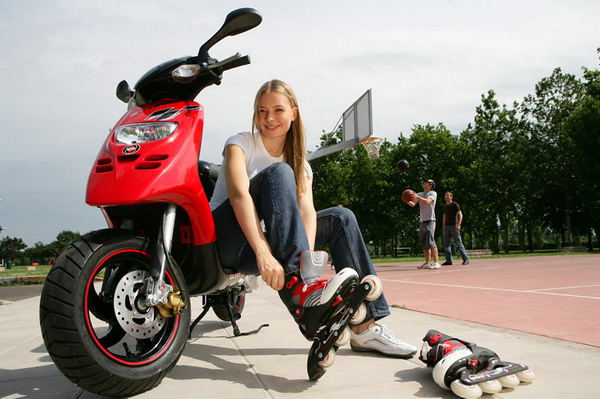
x,y
553,296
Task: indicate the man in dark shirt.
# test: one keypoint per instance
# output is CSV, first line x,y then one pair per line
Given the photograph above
x,y
451,225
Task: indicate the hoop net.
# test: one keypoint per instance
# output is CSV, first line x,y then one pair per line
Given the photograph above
x,y
372,146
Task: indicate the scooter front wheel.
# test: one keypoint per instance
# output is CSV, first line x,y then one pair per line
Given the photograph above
x,y
93,321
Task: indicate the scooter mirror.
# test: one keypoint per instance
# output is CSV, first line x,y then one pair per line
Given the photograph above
x,y
124,92
237,21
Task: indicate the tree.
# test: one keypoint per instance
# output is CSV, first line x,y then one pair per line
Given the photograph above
x,y
546,111
38,253
582,127
492,169
63,239
10,248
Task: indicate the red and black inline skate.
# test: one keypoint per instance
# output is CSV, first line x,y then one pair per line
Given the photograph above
x,y
324,308
467,369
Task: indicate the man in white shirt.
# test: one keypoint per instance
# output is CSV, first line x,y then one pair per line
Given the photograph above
x,y
427,199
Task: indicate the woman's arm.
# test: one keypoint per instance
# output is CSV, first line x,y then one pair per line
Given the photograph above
x,y
308,213
238,186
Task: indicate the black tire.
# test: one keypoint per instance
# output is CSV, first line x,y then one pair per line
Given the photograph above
x,y
79,322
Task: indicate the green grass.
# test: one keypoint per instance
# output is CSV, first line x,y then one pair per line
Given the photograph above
x,y
20,271
514,254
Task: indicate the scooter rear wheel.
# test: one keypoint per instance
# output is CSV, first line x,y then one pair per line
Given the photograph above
x,y
92,323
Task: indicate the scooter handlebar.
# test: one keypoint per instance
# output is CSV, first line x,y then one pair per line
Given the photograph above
x,y
232,62
245,60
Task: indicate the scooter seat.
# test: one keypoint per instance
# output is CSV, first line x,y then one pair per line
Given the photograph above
x,y
209,172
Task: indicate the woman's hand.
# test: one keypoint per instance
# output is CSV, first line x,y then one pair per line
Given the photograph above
x,y
270,270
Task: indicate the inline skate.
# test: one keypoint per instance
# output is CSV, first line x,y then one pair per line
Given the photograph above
x,y
469,370
324,308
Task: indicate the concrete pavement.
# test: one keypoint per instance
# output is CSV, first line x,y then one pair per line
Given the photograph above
x,y
272,364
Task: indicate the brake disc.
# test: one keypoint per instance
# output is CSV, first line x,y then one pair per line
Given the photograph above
x,y
136,321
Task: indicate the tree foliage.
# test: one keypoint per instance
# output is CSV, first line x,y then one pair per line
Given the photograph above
x,y
520,172
14,250
10,248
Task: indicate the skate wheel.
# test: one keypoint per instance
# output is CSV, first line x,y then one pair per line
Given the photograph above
x,y
491,386
466,391
376,287
360,314
329,359
344,337
509,381
526,376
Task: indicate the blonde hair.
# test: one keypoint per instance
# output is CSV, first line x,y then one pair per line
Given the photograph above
x,y
294,149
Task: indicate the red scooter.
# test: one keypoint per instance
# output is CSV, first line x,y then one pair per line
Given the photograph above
x,y
115,309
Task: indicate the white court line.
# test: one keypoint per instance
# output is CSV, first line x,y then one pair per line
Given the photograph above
x,y
499,289
565,288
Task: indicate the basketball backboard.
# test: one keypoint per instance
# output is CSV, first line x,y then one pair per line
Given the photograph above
x,y
356,123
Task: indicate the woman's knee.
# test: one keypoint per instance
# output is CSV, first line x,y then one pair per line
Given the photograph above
x,y
345,215
278,177
280,170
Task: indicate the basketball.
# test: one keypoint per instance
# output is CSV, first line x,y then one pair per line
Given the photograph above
x,y
403,165
407,195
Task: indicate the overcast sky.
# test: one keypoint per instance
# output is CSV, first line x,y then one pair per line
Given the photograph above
x,y
426,62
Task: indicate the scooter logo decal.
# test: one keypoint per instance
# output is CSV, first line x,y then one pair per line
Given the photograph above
x,y
170,113
131,149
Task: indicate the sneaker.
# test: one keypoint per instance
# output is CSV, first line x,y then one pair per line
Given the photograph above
x,y
466,262
434,265
446,263
423,266
378,338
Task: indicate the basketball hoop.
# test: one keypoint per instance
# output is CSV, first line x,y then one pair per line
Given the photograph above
x,y
372,146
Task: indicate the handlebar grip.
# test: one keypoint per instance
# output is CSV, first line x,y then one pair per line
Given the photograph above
x,y
238,62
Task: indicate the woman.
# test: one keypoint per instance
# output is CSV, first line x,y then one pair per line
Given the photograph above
x,y
265,177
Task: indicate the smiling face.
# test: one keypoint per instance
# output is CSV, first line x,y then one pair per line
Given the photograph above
x,y
275,115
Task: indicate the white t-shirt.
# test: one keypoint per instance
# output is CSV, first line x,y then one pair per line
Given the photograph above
x,y
427,212
257,159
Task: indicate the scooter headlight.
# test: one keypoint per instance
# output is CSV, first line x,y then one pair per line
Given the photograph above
x,y
144,132
186,73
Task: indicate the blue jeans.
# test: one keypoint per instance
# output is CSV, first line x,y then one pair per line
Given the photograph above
x,y
451,233
273,191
